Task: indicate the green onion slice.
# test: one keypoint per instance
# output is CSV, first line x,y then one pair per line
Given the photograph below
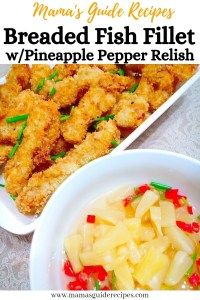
x,y
58,79
40,85
14,149
190,270
99,120
160,186
113,281
21,132
52,91
2,185
17,118
133,88
64,118
13,197
53,75
121,72
113,71
97,285
59,155
114,143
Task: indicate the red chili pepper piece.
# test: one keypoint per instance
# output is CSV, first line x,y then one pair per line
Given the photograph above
x,y
105,288
190,210
83,279
173,195
184,226
75,286
194,280
143,188
99,270
127,201
68,270
195,227
91,219
198,264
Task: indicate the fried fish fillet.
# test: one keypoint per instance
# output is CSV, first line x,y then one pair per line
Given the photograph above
x,y
95,103
182,72
4,152
25,102
40,134
39,72
107,68
130,110
40,186
66,70
19,74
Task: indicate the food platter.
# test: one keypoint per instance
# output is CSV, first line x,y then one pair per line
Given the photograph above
x,y
12,220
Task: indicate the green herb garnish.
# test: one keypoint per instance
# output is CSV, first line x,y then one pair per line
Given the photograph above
x,y
2,185
53,75
160,186
113,281
17,118
114,143
13,150
21,132
52,91
59,155
13,197
40,85
97,285
198,217
121,72
99,120
190,270
133,88
64,118
58,79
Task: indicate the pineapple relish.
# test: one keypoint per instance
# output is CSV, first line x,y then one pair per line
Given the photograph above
x,y
146,237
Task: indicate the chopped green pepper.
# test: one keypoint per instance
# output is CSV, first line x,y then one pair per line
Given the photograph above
x,y
160,186
97,285
64,118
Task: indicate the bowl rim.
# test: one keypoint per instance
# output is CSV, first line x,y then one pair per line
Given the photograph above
x,y
33,251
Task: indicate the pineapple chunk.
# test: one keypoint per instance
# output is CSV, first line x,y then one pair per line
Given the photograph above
x,y
101,230
90,258
110,215
160,244
134,225
124,279
133,252
155,214
179,239
122,252
117,236
120,194
72,246
157,280
168,217
147,233
152,263
178,267
87,232
148,199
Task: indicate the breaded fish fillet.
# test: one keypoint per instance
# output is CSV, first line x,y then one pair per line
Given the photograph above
x,y
40,187
182,72
4,152
25,102
39,72
65,70
130,110
19,74
40,134
94,103
107,68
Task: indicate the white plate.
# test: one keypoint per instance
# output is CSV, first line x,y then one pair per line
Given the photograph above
x,y
67,205
15,222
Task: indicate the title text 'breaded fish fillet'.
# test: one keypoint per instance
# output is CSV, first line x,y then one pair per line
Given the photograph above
x,y
40,187
39,136
93,104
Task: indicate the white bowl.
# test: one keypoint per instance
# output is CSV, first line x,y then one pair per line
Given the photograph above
x,y
95,179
